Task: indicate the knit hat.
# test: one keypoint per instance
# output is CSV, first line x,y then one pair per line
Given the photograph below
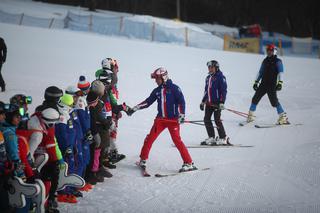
x,y
92,97
83,84
98,87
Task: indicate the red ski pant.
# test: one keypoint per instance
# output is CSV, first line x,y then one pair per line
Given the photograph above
x,y
174,128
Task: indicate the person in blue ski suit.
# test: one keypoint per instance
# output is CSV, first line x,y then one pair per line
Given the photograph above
x,y
213,100
270,75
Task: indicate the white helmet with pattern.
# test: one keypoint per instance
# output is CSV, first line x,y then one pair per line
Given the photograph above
x,y
160,73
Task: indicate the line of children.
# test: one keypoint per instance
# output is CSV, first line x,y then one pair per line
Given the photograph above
x,y
72,127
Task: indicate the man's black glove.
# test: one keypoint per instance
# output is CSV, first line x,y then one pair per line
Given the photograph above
x,y
279,85
202,106
133,110
126,108
256,85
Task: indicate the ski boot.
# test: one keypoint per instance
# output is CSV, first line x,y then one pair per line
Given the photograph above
x,y
283,119
223,141
250,117
115,157
95,178
104,172
143,164
209,141
107,164
77,193
52,206
187,167
66,198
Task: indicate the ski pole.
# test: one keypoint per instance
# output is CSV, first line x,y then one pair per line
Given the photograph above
x,y
196,123
238,112
235,111
186,121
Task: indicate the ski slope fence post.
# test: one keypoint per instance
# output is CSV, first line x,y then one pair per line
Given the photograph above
x,y
21,19
120,25
153,29
51,22
90,23
280,47
186,36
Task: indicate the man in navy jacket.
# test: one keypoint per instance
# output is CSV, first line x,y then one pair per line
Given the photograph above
x,y
213,101
171,112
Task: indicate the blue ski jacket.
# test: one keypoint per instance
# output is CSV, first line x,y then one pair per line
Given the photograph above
x,y
215,90
170,100
11,141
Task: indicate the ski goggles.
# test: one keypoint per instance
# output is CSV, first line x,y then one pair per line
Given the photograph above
x,y
4,108
28,100
212,64
77,93
22,111
12,108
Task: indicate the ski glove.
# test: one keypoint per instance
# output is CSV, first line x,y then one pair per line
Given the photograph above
x,y
126,108
202,106
279,85
255,85
88,137
68,152
133,110
181,118
221,106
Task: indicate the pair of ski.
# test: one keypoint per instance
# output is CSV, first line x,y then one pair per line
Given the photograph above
x,y
269,125
145,173
229,145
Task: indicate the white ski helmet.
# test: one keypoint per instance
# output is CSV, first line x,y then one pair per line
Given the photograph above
x,y
213,63
50,115
72,90
107,64
98,87
160,73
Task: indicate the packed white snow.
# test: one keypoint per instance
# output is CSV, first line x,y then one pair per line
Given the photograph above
x,y
280,173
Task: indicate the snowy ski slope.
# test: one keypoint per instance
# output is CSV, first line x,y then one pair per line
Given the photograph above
x,y
281,173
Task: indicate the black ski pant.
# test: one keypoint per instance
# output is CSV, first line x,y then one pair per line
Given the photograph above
x,y
50,172
270,91
209,110
4,199
2,84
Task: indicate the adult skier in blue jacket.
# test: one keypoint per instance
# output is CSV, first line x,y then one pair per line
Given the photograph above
x,y
270,74
215,93
171,113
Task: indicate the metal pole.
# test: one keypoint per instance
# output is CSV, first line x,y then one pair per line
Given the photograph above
x,y
178,9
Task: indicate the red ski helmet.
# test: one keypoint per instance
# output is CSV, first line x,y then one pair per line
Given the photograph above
x,y
272,47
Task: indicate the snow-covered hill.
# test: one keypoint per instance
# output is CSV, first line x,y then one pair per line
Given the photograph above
x,y
279,174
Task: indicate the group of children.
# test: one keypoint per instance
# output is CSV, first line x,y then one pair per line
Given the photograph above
x,y
77,126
